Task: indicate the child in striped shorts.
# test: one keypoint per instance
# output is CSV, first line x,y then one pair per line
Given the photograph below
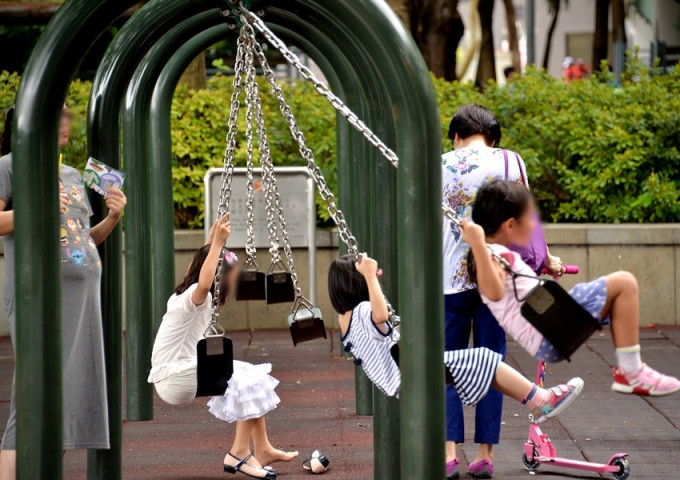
x,y
357,296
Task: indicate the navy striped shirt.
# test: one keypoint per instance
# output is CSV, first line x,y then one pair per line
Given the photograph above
x,y
371,348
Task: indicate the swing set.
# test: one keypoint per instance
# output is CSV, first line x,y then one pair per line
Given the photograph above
x,y
369,60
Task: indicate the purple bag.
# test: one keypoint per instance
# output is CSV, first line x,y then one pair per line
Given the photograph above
x,y
536,253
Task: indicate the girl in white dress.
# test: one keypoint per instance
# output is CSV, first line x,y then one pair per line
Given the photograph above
x,y
250,394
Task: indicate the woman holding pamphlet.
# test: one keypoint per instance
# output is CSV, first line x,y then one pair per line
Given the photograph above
x,y
84,378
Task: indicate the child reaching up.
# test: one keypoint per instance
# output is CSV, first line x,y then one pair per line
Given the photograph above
x,y
503,214
357,296
250,394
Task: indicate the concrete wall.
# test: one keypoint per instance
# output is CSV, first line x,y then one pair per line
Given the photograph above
x,y
651,252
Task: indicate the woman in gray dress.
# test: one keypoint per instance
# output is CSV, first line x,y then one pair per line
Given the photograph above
x,y
84,378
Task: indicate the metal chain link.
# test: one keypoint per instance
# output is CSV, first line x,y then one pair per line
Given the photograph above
x,y
274,201
251,251
227,175
320,87
317,175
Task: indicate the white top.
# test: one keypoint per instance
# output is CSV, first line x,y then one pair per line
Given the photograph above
x,y
371,348
464,170
507,309
183,325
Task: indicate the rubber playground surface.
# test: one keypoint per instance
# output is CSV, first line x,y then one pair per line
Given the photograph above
x,y
317,411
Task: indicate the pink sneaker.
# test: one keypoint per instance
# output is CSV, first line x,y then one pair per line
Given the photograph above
x,y
452,472
646,382
561,397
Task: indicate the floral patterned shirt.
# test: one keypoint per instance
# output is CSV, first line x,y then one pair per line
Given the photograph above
x,y
464,170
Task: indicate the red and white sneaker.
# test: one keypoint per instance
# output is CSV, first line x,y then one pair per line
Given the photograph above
x,y
646,382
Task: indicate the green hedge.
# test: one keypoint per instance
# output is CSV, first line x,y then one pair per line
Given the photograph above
x,y
594,153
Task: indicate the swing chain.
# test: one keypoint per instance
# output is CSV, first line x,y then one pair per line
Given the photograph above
x,y
307,74
317,175
227,174
250,231
271,185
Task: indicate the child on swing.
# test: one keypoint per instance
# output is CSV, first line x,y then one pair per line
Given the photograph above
x,y
364,322
503,214
250,394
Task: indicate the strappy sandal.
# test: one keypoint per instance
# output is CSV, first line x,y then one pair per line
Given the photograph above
x,y
317,463
269,473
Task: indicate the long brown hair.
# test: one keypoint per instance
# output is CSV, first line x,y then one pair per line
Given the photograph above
x,y
496,202
194,273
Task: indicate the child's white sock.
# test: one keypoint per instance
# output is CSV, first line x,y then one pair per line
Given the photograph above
x,y
628,359
536,397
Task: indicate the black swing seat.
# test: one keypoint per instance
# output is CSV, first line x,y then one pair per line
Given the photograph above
x,y
559,318
251,285
279,284
251,281
306,322
215,365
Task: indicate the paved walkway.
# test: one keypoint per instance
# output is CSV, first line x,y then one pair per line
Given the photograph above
x,y
318,404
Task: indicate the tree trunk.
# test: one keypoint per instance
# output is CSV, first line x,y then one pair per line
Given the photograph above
x,y
513,37
619,20
601,36
486,69
194,76
437,29
551,31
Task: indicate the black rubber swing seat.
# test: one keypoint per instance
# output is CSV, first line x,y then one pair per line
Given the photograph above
x,y
559,318
306,324
215,365
279,287
251,285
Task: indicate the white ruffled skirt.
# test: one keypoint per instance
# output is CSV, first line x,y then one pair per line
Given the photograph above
x,y
250,393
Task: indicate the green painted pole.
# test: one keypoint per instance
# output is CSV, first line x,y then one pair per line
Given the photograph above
x,y
108,90
377,32
160,153
138,219
386,421
138,35
351,145
54,61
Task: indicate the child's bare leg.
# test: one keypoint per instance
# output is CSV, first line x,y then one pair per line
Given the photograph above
x,y
240,449
623,305
8,464
510,382
265,453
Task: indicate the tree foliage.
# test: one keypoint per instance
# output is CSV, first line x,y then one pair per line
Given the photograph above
x,y
594,153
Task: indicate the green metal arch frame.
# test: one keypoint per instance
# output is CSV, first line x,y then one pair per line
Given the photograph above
x,y
138,228
395,59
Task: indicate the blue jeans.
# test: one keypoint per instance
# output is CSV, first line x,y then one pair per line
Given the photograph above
x,y
466,313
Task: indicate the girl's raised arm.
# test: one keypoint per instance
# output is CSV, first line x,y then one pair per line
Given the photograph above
x,y
490,276
222,229
369,268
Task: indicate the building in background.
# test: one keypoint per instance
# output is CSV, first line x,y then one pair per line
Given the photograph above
x,y
651,25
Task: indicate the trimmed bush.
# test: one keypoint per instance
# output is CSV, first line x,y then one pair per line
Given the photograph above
x,y
594,153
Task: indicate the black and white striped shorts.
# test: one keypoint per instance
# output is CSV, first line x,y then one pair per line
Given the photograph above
x,y
472,371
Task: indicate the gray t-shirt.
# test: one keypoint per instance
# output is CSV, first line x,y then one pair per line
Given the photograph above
x,y
83,373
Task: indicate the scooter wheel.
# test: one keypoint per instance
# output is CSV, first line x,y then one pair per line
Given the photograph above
x,y
624,468
531,465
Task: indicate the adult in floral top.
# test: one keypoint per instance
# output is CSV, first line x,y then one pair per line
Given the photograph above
x,y
475,160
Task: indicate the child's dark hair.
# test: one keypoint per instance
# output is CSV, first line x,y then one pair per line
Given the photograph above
x,y
194,273
346,286
495,203
473,119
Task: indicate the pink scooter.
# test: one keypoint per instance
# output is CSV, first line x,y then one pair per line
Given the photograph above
x,y
539,450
